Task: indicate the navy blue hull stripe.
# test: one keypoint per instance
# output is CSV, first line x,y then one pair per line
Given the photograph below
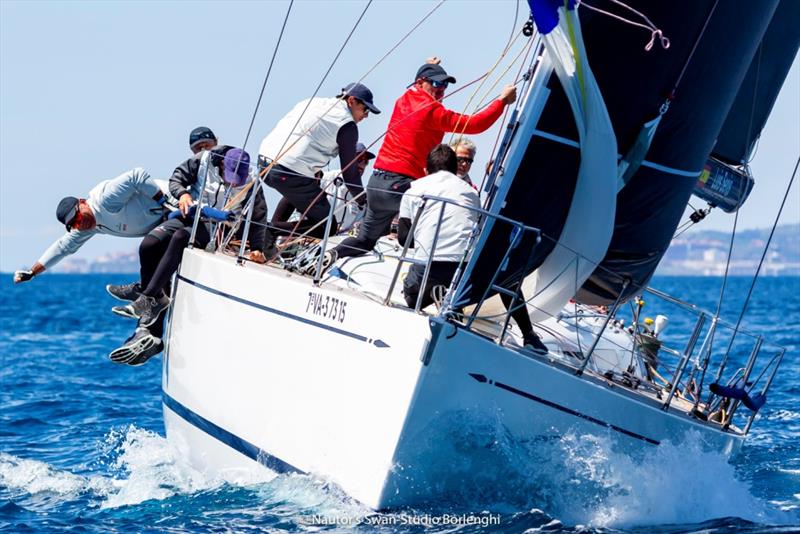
x,y
376,342
231,440
529,396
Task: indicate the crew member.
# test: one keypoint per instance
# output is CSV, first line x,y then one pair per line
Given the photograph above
x,y
465,154
130,205
418,124
305,140
162,249
454,233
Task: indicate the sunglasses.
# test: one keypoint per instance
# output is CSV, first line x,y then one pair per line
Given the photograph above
x,y
366,108
463,159
438,85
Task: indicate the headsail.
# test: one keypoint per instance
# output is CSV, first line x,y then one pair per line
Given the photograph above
x,y
587,229
577,171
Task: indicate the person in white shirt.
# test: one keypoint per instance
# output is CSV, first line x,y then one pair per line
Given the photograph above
x,y
456,228
130,205
305,140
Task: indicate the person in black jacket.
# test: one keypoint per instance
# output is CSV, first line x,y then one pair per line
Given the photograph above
x,y
162,249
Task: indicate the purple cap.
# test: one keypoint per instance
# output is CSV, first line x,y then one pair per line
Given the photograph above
x,y
236,167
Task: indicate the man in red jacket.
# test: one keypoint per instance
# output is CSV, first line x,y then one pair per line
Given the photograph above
x,y
418,124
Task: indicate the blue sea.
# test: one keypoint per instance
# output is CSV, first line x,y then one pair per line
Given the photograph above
x,y
82,444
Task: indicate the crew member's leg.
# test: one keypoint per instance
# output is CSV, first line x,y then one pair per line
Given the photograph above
x,y
172,258
384,191
441,274
520,315
306,196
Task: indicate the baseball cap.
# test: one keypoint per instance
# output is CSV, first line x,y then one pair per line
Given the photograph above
x,y
361,92
361,149
201,133
66,210
236,166
431,71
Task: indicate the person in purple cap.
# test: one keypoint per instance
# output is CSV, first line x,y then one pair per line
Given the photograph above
x,y
162,249
305,140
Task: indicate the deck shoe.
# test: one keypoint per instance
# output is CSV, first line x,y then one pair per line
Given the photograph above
x,y
327,262
129,311
532,342
144,308
137,348
146,354
126,292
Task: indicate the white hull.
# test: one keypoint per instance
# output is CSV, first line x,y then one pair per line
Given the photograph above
x,y
265,369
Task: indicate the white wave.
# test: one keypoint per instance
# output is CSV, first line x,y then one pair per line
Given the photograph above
x,y
784,415
669,484
149,469
21,476
583,479
143,467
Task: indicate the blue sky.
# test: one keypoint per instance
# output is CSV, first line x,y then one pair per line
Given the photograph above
x,y
89,90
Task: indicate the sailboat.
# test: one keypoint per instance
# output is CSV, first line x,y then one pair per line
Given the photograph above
x,y
333,375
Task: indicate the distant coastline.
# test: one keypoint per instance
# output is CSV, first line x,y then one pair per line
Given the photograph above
x,y
700,253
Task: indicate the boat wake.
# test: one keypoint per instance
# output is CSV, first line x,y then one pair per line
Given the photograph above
x,y
585,479
578,479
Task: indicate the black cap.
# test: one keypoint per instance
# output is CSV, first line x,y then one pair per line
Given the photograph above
x,y
201,133
361,149
66,210
430,71
361,92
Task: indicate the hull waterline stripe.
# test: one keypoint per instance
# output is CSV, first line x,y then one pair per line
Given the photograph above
x,y
645,163
376,342
231,440
529,396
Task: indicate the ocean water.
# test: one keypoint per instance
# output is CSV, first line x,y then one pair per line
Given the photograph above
x,y
82,444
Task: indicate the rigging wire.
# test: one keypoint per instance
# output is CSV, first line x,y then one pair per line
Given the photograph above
x,y
279,156
492,161
707,359
758,270
512,37
266,78
327,72
694,49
